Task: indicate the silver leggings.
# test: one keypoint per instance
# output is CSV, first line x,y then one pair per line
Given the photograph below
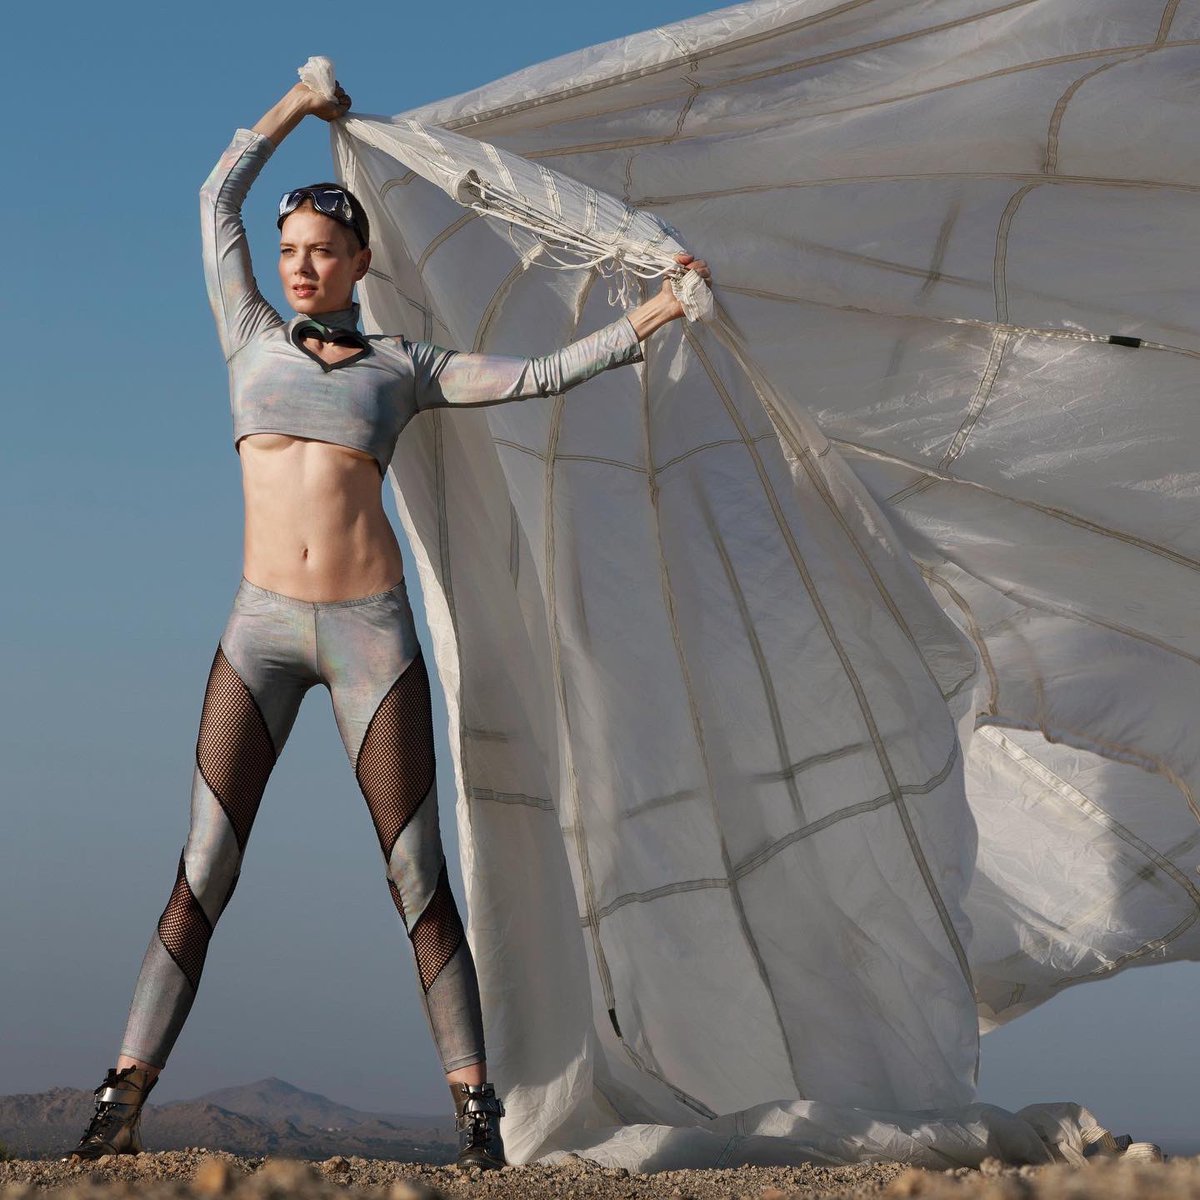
x,y
273,650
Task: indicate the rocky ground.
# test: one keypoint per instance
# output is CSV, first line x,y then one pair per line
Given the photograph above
x,y
202,1175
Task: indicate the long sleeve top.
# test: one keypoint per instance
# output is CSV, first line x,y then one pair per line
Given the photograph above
x,y
278,386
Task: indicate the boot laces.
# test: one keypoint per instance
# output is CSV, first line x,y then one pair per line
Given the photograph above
x,y
101,1120
106,1109
476,1120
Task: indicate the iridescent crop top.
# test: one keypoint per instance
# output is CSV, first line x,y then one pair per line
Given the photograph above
x,y
277,386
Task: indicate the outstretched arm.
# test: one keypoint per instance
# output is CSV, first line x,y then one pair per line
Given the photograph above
x,y
444,377
240,309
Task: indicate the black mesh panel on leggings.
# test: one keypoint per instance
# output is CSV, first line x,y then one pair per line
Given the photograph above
x,y
234,751
184,929
438,932
395,766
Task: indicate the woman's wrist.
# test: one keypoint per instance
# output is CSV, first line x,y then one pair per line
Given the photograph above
x,y
652,314
279,120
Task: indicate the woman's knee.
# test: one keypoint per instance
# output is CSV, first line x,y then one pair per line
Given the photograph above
x,y
213,854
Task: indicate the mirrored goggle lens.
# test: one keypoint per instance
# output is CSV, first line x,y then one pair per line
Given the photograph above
x,y
330,201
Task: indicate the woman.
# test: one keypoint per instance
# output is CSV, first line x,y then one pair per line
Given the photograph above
x,y
317,409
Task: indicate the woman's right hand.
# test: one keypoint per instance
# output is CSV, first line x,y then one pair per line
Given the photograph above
x,y
319,106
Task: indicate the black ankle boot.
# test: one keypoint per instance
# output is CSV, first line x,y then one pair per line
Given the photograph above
x,y
477,1112
116,1125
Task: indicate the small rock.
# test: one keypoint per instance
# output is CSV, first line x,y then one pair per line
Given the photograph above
x,y
212,1177
336,1165
991,1167
285,1173
912,1183
412,1189
1006,1188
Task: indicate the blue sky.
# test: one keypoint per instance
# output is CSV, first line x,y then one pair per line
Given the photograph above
x,y
122,526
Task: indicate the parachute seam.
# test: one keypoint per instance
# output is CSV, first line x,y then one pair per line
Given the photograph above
x,y
584,89
444,236
816,760
656,802
974,632
486,735
983,393
494,303
1000,262
1049,778
398,181
1064,612
1168,17
812,469
592,458
1034,177
640,470
920,93
1050,164
555,631
1076,923
899,39
576,828
748,865
421,308
517,798
885,764
1060,514
1072,335
514,545
855,810
668,597
1116,751
760,661
730,47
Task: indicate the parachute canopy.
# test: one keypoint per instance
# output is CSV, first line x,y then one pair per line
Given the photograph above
x,y
826,685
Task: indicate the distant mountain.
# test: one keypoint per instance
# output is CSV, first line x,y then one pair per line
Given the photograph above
x,y
268,1117
277,1100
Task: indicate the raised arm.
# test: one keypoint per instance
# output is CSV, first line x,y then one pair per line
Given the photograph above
x,y
240,309
444,377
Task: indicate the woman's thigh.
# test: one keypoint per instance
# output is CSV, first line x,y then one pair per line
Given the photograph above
x,y
366,648
260,672
380,689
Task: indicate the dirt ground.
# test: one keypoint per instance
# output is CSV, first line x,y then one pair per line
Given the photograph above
x,y
202,1175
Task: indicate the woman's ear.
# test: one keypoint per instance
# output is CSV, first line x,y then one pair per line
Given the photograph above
x,y
364,263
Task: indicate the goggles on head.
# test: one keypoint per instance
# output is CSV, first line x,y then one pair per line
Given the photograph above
x,y
331,201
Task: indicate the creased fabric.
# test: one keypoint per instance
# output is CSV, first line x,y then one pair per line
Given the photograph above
x,y
824,685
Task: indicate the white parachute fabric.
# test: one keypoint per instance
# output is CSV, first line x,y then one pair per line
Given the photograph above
x,y
703,706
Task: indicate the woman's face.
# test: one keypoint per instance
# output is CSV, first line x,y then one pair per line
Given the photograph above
x,y
319,261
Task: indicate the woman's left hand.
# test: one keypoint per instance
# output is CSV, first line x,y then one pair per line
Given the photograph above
x,y
663,306
667,294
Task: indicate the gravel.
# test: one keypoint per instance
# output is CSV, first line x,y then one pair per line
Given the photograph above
x,y
204,1175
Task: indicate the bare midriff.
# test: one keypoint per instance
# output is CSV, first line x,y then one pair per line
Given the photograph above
x,y
315,525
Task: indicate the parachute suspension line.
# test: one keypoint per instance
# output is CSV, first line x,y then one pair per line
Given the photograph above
x,y
537,238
